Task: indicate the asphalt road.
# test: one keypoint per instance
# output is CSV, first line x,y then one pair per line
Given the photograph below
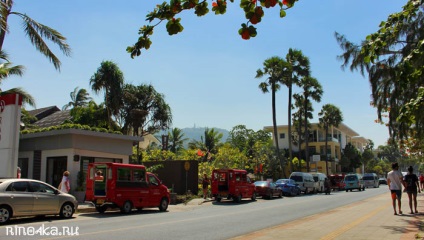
x,y
210,220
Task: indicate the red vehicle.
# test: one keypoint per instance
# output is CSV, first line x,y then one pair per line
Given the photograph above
x,y
232,184
267,189
337,181
124,186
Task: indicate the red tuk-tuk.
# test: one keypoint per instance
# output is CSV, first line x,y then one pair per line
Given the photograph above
x,y
124,186
232,184
337,181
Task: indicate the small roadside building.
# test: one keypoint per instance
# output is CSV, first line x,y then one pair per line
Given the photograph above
x,y
45,155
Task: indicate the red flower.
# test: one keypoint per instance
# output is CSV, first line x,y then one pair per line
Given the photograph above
x,y
214,4
285,2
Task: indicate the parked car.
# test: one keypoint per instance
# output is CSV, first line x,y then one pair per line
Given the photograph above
x,y
267,189
232,184
337,181
288,186
382,180
28,197
371,180
319,178
305,181
354,181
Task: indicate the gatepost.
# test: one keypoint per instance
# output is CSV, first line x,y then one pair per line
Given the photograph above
x,y
10,119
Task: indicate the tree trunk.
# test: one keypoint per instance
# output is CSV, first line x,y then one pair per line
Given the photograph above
x,y
325,151
290,132
306,134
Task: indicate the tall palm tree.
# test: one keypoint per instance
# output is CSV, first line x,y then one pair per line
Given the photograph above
x,y
36,32
297,67
110,79
312,89
330,116
273,67
79,98
176,138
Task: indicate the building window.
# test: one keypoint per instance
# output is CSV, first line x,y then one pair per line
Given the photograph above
x,y
282,135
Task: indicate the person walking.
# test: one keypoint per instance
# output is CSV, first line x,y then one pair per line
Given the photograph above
x,y
421,182
205,185
65,185
395,182
411,188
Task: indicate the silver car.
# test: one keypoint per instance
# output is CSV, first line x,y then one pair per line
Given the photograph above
x,y
28,197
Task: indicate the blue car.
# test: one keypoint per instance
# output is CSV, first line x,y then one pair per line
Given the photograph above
x,y
288,186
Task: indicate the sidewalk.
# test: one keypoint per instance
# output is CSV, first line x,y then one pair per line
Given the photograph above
x,y
369,219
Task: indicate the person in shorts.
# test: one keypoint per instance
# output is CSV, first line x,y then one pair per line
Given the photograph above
x,y
395,182
412,186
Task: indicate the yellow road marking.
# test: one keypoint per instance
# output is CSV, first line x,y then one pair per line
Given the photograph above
x,y
347,227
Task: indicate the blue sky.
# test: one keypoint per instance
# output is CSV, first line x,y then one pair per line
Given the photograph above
x,y
207,72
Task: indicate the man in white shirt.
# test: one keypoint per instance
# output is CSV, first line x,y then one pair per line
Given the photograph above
x,y
395,182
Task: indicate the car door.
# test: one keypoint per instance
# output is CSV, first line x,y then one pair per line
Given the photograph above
x,y
46,201
154,190
20,198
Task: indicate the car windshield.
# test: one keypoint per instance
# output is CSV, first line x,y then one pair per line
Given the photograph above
x,y
297,178
350,178
261,183
282,181
368,178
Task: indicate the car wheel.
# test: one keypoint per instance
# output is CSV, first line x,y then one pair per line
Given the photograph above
x,y
270,195
280,195
347,190
237,199
127,207
5,214
359,189
101,209
254,197
218,199
67,210
163,204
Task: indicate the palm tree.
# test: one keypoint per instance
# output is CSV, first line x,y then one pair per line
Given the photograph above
x,y
273,67
176,137
209,143
312,89
6,70
36,32
297,67
110,79
79,98
330,116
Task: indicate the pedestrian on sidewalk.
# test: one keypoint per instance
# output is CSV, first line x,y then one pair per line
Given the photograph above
x,y
395,182
422,181
205,185
411,188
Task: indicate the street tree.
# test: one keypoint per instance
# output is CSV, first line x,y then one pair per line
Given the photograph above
x,y
274,68
330,116
92,115
144,111
79,98
169,11
351,158
393,59
109,79
36,32
297,66
312,90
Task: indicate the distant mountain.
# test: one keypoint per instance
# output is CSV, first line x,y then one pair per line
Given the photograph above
x,y
196,133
